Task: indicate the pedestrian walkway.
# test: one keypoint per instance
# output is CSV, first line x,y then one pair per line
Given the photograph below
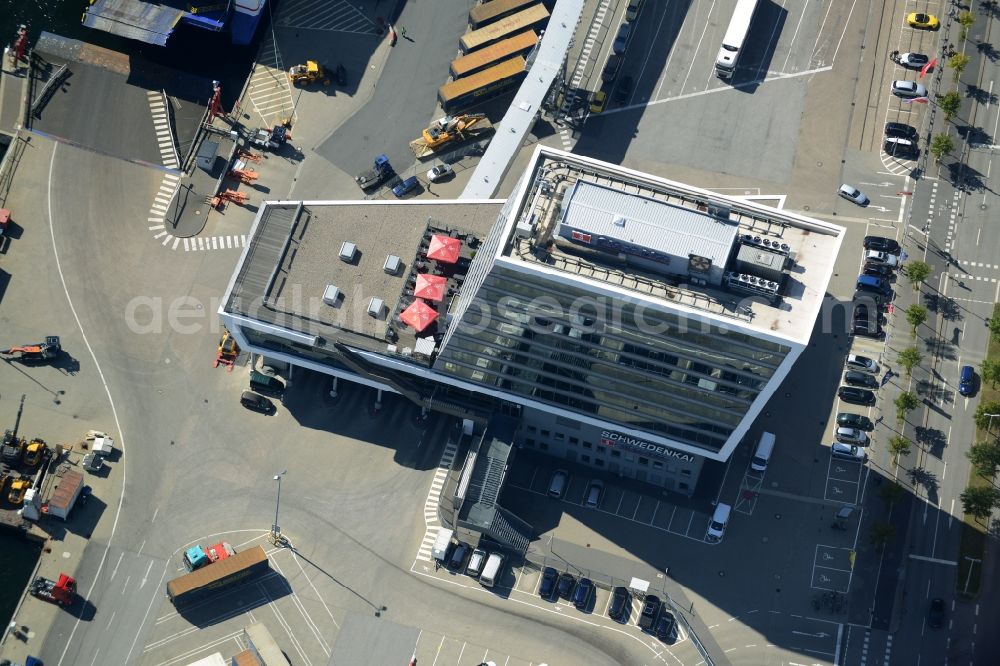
x,y
161,125
332,15
269,91
433,498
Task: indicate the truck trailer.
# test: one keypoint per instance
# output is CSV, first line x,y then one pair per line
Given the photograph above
x,y
217,575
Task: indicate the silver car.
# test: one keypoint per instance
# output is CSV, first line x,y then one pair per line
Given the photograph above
x,y
853,194
862,363
848,452
851,436
908,89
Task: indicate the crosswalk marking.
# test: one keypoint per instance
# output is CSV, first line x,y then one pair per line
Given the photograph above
x,y
433,498
161,126
202,244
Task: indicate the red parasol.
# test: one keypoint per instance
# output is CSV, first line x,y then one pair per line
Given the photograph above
x,y
444,248
418,316
431,287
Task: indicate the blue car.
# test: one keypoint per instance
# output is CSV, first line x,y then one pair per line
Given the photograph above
x,y
547,588
406,186
967,380
583,593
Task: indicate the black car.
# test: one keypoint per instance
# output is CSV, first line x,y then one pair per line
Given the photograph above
x,y
883,271
458,557
611,68
935,614
665,626
564,588
624,90
256,402
862,379
859,421
901,131
881,244
650,611
866,321
547,588
621,604
856,396
583,594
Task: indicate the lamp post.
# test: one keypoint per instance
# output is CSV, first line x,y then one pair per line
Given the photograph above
x,y
275,536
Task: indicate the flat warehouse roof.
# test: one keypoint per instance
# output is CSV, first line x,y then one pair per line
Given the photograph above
x,y
299,272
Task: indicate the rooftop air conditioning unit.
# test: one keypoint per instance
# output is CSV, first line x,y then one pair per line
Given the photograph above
x,y
348,251
331,294
375,307
392,265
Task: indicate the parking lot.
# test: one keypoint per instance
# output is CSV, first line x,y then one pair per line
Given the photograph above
x,y
628,505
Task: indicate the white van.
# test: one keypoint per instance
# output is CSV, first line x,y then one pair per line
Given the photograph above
x,y
717,526
492,570
763,453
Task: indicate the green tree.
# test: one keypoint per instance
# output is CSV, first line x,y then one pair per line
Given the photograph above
x,y
979,501
881,534
890,493
985,457
958,63
917,273
905,403
994,324
990,369
984,412
898,446
916,315
950,103
965,19
941,146
909,358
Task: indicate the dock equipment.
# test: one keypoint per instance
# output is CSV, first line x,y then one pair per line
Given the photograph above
x,y
228,351
449,130
311,72
41,351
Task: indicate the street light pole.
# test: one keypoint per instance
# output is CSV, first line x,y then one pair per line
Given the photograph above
x,y
275,536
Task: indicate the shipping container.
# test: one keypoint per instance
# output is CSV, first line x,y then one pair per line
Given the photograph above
x,y
491,55
482,86
504,28
493,10
217,575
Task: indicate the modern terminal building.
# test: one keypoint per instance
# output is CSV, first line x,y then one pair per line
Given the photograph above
x,y
606,317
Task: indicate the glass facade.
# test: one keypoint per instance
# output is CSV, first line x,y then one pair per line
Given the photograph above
x,y
622,361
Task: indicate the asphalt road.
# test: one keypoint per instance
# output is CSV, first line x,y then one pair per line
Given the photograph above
x,y
405,98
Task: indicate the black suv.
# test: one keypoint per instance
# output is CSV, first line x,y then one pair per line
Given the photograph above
x,y
883,271
624,90
857,396
862,379
650,611
882,244
901,131
621,603
547,588
859,421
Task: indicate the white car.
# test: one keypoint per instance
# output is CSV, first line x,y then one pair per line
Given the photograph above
x,y
908,89
913,60
881,258
853,194
440,172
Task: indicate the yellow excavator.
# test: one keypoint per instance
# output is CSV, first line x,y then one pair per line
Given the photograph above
x,y
228,351
18,488
310,72
33,452
450,129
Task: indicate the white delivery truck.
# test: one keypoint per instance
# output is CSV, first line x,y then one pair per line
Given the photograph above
x,y
441,545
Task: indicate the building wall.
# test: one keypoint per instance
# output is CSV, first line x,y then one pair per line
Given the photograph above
x,y
584,444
